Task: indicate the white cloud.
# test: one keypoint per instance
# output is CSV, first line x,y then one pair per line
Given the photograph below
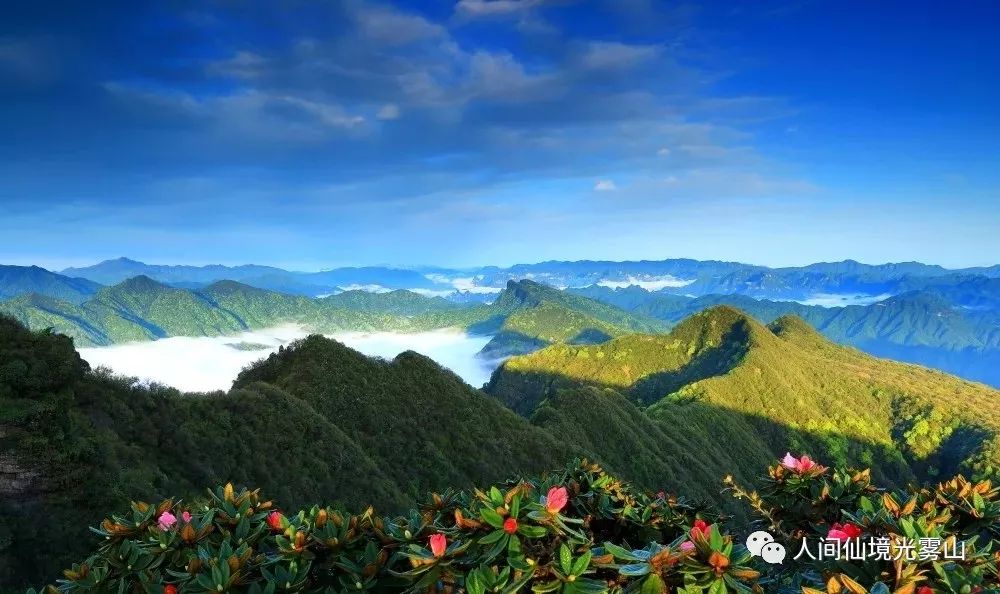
x,y
663,152
433,292
654,283
605,185
840,299
394,27
491,8
389,111
366,288
208,364
467,284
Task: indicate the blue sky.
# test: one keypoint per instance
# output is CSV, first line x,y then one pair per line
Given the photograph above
x,y
319,134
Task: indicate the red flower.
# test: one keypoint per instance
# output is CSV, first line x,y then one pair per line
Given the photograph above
x,y
925,590
439,543
170,589
274,520
510,525
843,532
700,527
556,499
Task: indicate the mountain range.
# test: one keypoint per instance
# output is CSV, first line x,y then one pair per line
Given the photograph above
x,y
719,394
679,276
913,312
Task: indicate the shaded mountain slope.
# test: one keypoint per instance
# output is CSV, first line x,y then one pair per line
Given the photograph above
x,y
16,281
314,422
425,423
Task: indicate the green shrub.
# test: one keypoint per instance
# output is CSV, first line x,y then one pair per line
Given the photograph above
x,y
579,531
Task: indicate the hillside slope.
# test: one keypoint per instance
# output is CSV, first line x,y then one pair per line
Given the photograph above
x,y
535,315
777,387
952,326
141,309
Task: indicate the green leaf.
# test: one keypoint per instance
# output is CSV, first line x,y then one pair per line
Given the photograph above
x,y
474,583
653,585
565,559
491,517
515,505
492,537
620,552
529,531
581,564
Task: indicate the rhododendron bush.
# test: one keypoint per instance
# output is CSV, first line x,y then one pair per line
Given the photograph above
x,y
580,531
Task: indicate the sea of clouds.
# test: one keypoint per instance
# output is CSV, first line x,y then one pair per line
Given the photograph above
x,y
648,283
207,364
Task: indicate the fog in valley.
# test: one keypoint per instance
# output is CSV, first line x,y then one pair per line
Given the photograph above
x,y
206,364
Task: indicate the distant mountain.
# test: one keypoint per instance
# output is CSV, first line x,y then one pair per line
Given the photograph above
x,y
141,309
535,315
678,276
696,278
165,311
311,284
16,281
398,302
110,272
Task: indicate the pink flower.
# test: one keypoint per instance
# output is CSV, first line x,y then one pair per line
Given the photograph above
x,y
800,465
700,527
274,521
439,543
166,521
687,546
556,499
843,532
186,516
510,525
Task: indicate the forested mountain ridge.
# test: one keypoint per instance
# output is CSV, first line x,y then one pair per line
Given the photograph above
x,y
946,319
853,404
314,422
318,421
143,309
536,315
947,327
